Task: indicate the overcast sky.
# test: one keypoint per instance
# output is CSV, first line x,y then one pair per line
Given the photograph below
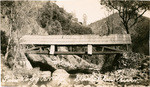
x,y
91,8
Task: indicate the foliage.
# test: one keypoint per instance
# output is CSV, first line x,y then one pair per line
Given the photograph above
x,y
56,20
127,76
128,10
140,36
121,76
6,7
131,60
19,15
75,28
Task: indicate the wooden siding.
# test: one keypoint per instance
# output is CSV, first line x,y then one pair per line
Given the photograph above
x,y
112,39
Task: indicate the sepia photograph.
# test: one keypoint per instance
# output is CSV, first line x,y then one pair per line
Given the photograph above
x,y
75,43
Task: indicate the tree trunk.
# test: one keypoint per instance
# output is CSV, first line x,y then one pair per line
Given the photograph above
x,y
126,27
127,30
9,40
128,48
115,63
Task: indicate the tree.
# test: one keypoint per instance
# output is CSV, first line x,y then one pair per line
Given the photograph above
x,y
4,41
18,16
84,19
129,11
6,9
56,20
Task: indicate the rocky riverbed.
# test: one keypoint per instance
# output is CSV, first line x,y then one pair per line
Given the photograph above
x,y
128,77
60,78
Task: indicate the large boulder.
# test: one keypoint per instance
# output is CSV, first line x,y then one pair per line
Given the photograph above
x,y
60,78
60,74
67,62
42,61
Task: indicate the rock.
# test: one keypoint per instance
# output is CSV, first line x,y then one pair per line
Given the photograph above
x,y
34,86
60,74
100,82
135,86
81,85
48,85
42,86
45,76
87,86
67,62
35,57
24,86
49,61
60,78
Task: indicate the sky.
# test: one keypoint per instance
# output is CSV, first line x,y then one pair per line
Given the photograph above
x,y
91,8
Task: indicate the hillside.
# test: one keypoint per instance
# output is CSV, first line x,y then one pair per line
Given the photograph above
x,y
139,32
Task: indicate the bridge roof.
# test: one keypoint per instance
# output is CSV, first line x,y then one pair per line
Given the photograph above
x,y
112,39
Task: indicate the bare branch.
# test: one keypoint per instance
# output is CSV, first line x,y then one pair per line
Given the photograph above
x,y
135,21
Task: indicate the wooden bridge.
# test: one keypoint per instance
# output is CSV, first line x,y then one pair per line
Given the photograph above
x,y
52,41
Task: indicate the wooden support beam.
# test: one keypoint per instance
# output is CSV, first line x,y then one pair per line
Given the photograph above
x,y
52,49
102,48
90,49
40,49
33,48
110,48
75,53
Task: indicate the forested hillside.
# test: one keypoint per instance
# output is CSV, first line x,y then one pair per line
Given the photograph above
x,y
32,17
139,33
